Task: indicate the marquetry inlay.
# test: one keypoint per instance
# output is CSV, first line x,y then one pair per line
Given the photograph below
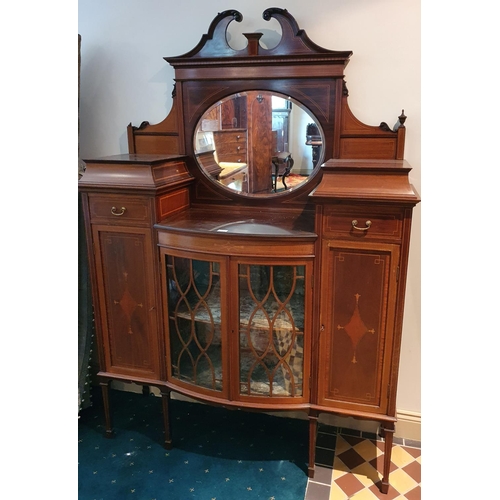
x,y
356,328
128,304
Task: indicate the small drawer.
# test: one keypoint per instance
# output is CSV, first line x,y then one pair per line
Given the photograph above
x,y
232,148
356,223
229,136
119,209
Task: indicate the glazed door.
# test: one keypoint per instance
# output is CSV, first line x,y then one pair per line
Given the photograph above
x,y
127,306
271,330
194,292
359,283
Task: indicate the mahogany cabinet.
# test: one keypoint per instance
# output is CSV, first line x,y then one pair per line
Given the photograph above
x,y
255,298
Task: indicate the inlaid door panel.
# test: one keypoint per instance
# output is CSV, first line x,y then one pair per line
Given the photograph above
x,y
357,324
127,304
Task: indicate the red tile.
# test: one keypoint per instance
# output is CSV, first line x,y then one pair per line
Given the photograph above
x,y
414,452
349,484
414,494
414,470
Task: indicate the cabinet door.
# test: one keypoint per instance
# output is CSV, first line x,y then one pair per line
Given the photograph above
x,y
195,321
272,325
358,314
127,305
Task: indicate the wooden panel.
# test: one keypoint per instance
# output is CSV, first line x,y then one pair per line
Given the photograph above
x,y
157,144
237,246
171,203
259,143
119,209
385,224
372,148
127,303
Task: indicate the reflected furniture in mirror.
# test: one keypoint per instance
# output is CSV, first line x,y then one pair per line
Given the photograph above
x,y
214,278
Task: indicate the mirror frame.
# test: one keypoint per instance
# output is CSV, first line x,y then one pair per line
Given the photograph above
x,y
207,159
296,67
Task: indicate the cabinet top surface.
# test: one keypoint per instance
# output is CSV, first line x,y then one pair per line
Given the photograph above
x,y
147,159
242,223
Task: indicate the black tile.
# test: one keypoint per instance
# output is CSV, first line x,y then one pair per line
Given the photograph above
x,y
326,440
350,432
327,429
324,457
369,435
351,458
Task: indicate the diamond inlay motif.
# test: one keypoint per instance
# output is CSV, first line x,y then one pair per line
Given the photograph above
x,y
128,304
356,328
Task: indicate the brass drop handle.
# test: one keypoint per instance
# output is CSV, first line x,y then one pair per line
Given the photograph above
x,y
114,212
368,224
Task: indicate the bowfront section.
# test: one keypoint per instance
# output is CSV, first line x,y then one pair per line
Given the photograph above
x,y
237,321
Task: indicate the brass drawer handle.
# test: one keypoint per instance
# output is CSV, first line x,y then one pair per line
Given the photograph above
x,y
368,224
114,212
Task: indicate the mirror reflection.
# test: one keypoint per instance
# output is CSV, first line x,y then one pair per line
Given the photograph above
x,y
258,143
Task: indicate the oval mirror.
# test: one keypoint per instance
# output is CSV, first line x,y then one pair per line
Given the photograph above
x,y
258,143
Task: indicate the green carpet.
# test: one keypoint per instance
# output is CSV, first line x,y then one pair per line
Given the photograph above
x,y
218,453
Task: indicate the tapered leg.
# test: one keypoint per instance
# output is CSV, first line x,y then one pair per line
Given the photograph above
x,y
107,413
313,428
388,433
145,390
165,397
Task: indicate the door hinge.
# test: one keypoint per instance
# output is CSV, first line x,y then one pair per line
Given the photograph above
x,y
312,280
397,274
388,390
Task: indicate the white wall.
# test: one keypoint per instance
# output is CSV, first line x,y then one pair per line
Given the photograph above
x,y
125,79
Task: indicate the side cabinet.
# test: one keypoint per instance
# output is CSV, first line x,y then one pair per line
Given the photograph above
x,y
361,267
122,198
126,310
357,327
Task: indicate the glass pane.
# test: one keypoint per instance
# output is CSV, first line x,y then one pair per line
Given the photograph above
x,y
193,292
271,318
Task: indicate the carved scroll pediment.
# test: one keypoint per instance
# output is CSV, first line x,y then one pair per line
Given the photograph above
x,y
294,41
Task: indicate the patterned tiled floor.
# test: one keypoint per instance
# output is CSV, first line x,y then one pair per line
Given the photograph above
x,y
348,465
